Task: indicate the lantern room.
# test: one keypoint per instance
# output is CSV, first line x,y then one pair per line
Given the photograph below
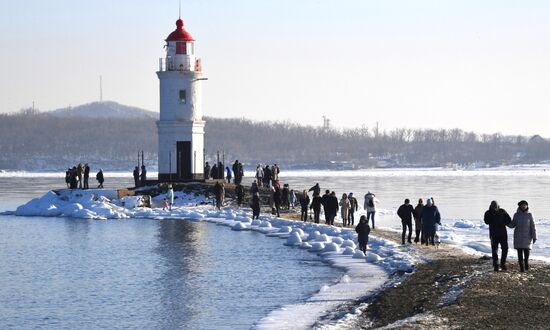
x,y
180,51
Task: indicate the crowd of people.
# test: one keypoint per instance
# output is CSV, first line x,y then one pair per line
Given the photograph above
x,y
218,171
78,177
426,216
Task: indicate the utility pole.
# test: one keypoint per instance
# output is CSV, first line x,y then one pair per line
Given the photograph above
x,y
100,89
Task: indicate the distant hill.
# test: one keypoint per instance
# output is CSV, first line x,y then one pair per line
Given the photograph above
x,y
107,109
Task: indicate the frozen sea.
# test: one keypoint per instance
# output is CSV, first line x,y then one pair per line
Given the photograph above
x,y
61,273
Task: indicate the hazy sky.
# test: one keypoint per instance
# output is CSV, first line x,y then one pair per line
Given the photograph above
x,y
477,65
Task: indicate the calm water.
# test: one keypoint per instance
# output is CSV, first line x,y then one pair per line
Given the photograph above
x,y
60,273
65,273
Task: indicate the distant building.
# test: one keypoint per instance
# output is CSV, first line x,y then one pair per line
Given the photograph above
x,y
181,125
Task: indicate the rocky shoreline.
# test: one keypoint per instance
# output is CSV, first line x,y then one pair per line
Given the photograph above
x,y
454,290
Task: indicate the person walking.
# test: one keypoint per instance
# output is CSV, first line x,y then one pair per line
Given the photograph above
x,y
228,174
235,169
239,191
170,197
345,206
206,171
267,176
80,174
259,174
68,177
86,176
430,219
255,205
370,206
418,221
219,192
525,234
316,189
333,207
406,212
136,176
285,192
73,178
292,199
277,200
363,231
275,174
100,179
498,219
316,203
325,201
254,188
304,204
353,208
241,173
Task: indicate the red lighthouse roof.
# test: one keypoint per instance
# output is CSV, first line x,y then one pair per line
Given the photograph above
x,y
180,34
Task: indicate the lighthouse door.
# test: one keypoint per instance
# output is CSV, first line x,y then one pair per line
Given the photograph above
x,y
184,160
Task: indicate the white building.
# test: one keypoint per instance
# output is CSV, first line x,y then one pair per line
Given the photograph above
x,y
180,126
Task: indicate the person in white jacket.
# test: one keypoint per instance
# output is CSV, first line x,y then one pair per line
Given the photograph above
x,y
370,206
170,196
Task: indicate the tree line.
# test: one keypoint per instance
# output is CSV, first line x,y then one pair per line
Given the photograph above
x,y
32,140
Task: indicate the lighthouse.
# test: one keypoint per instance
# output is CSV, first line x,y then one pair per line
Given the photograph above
x,y
180,125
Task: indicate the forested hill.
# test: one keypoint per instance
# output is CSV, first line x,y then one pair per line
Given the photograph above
x,y
31,140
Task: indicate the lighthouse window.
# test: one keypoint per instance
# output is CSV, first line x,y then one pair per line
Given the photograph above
x,y
181,48
183,98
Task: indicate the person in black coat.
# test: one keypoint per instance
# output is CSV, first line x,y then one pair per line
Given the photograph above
x,y
255,205
316,203
277,200
333,207
406,212
136,176
68,177
267,176
353,208
316,189
304,203
498,219
86,176
207,171
363,231
239,191
325,201
430,219
73,178
100,179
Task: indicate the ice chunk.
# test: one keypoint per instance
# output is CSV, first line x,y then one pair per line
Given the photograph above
x,y
317,246
294,239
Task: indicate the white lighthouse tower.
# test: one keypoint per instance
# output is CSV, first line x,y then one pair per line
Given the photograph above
x,y
180,127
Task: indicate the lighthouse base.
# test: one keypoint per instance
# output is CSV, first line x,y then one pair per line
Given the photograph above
x,y
181,151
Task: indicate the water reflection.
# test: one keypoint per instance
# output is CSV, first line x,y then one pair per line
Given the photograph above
x,y
77,231
181,247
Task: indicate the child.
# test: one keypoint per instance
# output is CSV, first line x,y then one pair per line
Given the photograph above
x,y
363,230
164,204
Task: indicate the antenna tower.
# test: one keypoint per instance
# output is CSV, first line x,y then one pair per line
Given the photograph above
x,y
100,89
